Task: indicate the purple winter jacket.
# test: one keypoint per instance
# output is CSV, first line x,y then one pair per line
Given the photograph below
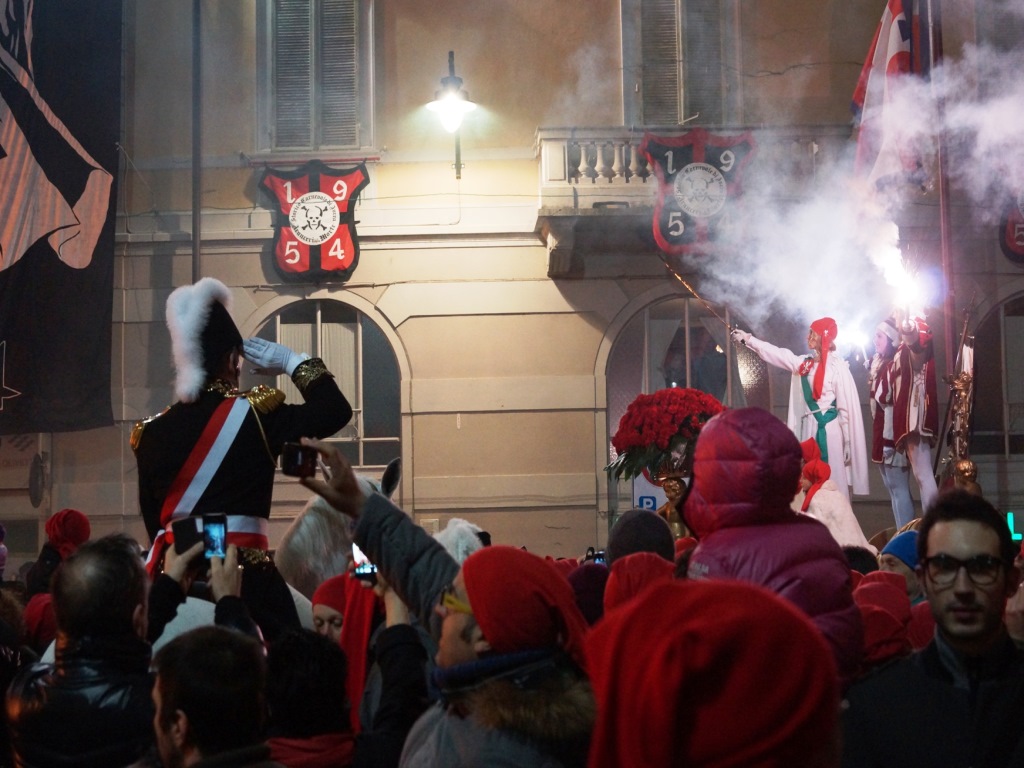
x,y
745,473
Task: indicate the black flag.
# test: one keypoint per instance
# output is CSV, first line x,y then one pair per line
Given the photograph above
x,y
60,94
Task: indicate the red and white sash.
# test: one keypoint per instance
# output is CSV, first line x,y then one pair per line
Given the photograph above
x,y
194,478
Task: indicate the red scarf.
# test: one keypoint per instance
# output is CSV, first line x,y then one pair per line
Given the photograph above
x,y
360,604
325,750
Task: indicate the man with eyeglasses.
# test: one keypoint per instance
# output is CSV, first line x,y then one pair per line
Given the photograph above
x,y
960,700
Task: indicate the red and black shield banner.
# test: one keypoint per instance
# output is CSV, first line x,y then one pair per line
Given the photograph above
x,y
316,237
698,180
1011,230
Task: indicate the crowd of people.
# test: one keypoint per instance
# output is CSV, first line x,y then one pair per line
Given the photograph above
x,y
773,635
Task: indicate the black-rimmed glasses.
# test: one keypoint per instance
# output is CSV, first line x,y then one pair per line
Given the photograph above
x,y
983,570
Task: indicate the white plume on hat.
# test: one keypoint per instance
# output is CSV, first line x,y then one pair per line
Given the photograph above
x,y
188,309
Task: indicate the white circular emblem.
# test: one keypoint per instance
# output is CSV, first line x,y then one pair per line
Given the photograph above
x,y
314,218
700,190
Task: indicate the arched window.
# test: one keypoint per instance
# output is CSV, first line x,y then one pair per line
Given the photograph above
x,y
359,355
678,343
998,411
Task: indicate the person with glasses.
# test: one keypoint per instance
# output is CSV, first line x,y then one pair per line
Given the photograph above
x,y
510,666
899,555
958,701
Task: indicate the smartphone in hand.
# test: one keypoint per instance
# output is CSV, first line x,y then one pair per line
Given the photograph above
x,y
186,534
299,460
215,536
365,570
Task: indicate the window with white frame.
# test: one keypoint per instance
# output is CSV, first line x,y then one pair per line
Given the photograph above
x,y
314,74
359,355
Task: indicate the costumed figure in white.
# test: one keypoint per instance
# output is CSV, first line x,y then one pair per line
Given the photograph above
x,y
823,402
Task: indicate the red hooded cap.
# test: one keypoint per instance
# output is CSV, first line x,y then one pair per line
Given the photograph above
x,y
810,449
67,531
885,608
710,674
817,471
332,593
521,602
632,574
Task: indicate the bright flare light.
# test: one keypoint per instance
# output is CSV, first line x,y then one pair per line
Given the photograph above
x,y
908,291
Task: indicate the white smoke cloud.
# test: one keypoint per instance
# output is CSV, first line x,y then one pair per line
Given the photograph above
x,y
834,251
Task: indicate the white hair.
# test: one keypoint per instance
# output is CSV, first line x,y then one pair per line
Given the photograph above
x,y
316,546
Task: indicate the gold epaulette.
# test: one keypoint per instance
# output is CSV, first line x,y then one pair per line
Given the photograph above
x,y
263,398
136,435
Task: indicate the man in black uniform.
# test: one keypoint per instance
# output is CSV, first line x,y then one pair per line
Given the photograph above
x,y
216,449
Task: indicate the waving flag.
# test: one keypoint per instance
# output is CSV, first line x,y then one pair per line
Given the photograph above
x,y
895,53
60,101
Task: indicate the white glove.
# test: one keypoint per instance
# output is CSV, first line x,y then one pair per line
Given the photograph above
x,y
740,337
271,359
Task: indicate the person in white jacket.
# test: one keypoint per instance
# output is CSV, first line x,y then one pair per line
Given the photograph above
x,y
823,501
823,402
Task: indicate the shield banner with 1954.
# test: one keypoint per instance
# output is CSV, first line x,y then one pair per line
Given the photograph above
x,y
1011,229
698,181
315,233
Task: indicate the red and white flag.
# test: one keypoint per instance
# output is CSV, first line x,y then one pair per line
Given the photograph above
x,y
895,53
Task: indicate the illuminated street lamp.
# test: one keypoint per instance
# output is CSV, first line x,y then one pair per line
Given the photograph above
x,y
452,103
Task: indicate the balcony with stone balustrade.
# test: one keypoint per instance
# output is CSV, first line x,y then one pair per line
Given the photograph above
x,y
597,188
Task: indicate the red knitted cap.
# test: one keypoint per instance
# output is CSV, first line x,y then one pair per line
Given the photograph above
x,y
817,471
810,449
67,531
332,593
632,574
882,599
521,602
713,674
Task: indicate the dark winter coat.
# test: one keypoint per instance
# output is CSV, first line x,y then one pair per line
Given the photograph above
x,y
745,473
936,709
92,707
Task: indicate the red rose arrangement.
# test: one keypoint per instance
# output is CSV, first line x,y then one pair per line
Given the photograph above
x,y
657,429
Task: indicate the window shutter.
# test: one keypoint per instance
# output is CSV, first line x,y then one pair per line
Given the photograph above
x,y
293,80
703,61
661,56
316,99
339,77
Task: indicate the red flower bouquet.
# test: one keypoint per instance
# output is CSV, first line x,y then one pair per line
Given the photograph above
x,y
657,430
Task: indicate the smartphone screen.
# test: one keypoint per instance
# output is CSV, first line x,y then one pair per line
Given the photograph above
x,y
215,534
186,533
364,570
